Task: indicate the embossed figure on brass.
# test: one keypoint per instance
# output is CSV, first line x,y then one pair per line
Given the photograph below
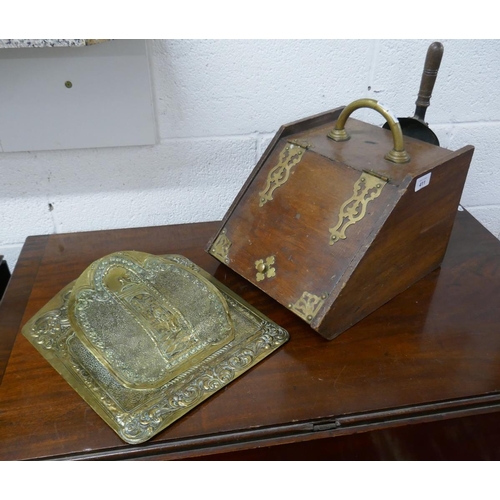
x,y
146,319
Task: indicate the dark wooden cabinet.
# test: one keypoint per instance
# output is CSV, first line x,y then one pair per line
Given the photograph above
x,y
419,378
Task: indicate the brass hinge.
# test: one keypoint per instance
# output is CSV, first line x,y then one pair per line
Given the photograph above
x,y
289,157
366,188
301,143
379,176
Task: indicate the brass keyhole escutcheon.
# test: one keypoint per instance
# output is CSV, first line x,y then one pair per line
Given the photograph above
x,y
264,268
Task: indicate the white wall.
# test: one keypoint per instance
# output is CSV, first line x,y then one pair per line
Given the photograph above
x,y
219,102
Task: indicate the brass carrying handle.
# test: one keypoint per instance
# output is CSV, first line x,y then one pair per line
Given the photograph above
x,y
398,153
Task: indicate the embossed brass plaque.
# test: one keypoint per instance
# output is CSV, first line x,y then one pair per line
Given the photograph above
x,y
144,339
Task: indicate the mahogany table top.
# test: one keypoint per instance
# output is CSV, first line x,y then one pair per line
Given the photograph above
x,y
429,355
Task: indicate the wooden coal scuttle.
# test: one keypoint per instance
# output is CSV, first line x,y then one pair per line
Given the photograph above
x,y
339,216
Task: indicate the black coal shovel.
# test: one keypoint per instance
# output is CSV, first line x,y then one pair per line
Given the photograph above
x,y
416,126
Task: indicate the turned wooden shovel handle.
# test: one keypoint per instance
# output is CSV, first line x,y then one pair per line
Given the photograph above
x,y
429,75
